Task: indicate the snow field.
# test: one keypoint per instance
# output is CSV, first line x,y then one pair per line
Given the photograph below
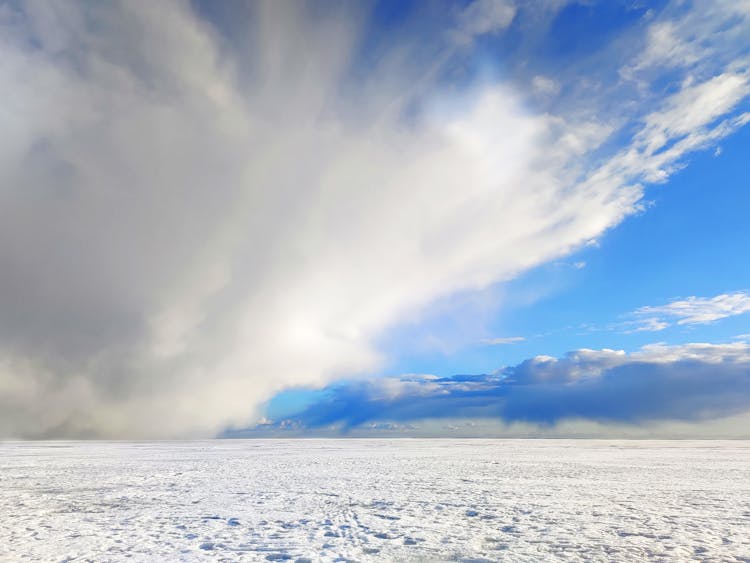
x,y
375,500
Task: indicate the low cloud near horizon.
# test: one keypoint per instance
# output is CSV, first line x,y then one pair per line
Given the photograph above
x,y
601,392
204,204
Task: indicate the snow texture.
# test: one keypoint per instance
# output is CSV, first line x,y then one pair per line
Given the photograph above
x,y
375,500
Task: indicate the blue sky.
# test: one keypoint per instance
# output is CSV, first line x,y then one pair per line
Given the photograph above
x,y
307,217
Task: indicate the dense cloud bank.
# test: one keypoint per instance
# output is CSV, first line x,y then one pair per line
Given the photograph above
x,y
202,204
690,383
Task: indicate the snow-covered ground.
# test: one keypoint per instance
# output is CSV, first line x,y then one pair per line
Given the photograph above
x,y
378,500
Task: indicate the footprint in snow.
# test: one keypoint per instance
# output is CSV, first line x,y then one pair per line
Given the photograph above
x,y
412,541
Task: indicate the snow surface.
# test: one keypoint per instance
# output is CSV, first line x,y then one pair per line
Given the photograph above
x,y
375,500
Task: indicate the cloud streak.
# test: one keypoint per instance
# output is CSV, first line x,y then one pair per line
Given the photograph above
x,y
503,340
692,311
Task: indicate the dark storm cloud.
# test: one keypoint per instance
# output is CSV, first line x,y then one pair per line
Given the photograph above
x,y
688,383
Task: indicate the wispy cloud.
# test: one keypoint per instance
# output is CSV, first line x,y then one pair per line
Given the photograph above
x,y
690,38
483,17
503,340
691,311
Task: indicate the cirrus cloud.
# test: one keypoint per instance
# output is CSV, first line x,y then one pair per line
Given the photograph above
x,y
691,311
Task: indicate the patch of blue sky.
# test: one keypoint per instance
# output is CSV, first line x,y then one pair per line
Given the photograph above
x,y
584,28
291,401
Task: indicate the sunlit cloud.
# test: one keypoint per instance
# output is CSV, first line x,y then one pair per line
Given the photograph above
x,y
691,311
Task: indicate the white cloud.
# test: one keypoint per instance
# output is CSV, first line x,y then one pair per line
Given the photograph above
x,y
690,39
652,324
666,46
694,107
691,311
685,122
733,352
481,17
503,340
703,49
545,86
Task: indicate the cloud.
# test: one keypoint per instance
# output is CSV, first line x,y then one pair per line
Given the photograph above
x,y
503,340
686,46
686,121
682,38
685,383
483,17
199,209
691,311
665,45
694,107
545,86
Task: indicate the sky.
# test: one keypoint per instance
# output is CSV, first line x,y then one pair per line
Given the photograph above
x,y
469,218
